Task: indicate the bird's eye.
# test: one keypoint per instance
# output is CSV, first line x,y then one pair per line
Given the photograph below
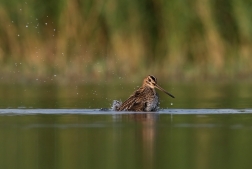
x,y
153,78
149,80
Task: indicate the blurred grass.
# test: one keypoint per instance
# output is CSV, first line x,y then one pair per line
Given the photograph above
x,y
96,40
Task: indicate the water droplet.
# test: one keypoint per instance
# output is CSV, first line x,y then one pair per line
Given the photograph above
x,y
171,103
26,26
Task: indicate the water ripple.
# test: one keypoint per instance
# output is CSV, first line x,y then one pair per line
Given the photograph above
x,y
109,112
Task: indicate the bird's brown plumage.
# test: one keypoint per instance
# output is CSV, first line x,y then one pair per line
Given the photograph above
x,y
143,99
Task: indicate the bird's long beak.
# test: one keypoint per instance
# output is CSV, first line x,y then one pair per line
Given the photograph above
x,y
160,88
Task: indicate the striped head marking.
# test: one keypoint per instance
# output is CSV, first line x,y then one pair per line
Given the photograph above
x,y
150,81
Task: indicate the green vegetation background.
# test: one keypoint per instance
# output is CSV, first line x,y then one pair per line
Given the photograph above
x,y
94,40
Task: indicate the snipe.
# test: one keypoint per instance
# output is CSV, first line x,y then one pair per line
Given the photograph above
x,y
143,99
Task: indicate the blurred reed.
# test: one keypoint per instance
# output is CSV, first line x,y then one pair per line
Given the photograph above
x,y
95,40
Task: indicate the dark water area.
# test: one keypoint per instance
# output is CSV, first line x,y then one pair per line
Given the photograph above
x,y
126,140
96,96
205,126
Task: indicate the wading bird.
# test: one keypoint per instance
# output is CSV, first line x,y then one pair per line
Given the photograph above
x,y
143,99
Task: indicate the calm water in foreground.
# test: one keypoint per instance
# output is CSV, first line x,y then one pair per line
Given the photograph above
x,y
205,127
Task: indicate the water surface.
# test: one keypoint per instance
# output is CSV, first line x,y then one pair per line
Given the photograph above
x,y
206,126
96,96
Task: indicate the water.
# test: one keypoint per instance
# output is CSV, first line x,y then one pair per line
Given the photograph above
x,y
95,96
207,126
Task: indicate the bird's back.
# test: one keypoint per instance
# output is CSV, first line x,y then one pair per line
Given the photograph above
x,y
144,99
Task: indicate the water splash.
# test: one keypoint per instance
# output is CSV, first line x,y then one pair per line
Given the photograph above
x,y
116,104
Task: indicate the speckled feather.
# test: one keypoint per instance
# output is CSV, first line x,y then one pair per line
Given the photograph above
x,y
144,99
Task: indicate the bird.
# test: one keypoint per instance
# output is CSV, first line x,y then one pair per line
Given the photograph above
x,y
144,99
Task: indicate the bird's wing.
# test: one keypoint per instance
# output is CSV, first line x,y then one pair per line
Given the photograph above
x,y
134,102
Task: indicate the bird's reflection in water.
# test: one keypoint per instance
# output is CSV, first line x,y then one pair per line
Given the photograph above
x,y
145,133
145,118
